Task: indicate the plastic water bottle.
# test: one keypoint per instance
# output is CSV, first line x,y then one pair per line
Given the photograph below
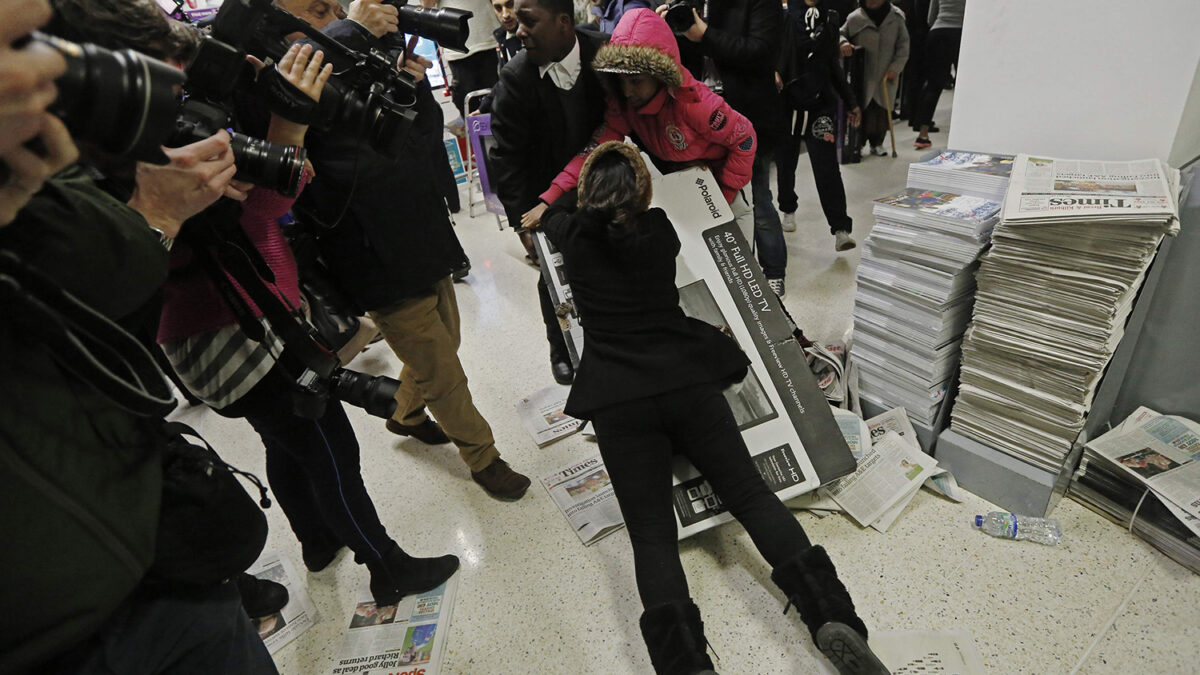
x,y
1011,526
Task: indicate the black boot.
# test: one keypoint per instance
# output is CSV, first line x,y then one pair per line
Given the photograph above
x,y
811,584
674,636
399,574
260,597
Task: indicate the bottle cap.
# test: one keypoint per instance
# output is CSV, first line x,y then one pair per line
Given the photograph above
x,y
978,521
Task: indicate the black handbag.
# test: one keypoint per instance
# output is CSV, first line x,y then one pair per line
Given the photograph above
x,y
209,528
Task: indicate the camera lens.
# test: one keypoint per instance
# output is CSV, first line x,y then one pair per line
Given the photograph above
x,y
374,394
273,166
122,101
679,16
445,26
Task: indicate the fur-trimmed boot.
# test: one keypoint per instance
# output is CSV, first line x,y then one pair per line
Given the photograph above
x,y
674,636
811,584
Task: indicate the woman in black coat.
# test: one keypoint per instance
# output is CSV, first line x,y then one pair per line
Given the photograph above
x,y
650,380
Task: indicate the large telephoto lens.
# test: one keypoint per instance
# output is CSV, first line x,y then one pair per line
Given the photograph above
x,y
273,166
122,101
445,26
374,394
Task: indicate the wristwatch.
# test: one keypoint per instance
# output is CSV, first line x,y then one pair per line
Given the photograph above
x,y
163,239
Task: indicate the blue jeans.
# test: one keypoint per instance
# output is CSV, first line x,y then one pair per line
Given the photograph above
x,y
768,231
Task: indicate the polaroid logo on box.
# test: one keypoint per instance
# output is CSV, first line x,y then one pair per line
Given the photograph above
x,y
713,210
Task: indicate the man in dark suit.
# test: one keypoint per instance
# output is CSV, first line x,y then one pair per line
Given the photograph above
x,y
547,107
741,39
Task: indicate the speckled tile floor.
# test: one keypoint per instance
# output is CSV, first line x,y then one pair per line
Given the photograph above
x,y
532,599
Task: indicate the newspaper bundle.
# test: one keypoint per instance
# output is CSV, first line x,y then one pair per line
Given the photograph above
x,y
543,417
1068,258
1162,452
916,286
890,472
967,173
408,638
1106,485
297,616
584,494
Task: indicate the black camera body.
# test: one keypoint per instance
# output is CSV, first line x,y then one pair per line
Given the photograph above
x,y
374,394
679,14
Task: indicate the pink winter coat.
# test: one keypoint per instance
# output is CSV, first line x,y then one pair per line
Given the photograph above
x,y
684,122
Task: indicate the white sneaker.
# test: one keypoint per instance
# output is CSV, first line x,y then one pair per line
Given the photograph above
x,y
878,151
843,242
777,287
789,222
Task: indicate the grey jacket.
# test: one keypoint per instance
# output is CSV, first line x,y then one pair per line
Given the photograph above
x,y
886,50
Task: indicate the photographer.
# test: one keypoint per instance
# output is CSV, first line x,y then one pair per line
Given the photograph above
x,y
82,475
390,247
737,45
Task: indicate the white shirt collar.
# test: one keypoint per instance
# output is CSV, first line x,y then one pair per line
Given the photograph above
x,y
564,72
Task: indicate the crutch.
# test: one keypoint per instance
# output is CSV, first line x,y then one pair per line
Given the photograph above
x,y
886,99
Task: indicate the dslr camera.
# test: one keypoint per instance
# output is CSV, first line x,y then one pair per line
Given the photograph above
x,y
445,26
679,14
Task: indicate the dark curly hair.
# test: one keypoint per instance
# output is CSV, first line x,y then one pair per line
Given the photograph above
x,y
124,24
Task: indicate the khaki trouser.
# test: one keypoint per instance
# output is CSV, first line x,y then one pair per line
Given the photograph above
x,y
424,334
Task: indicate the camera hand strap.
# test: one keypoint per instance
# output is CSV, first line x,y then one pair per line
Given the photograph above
x,y
82,340
283,98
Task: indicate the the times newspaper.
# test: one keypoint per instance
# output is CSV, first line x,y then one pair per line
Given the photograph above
x,y
891,472
297,616
408,638
584,493
543,417
1044,189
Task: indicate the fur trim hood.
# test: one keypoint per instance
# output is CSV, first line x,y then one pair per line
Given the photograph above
x,y
645,192
643,44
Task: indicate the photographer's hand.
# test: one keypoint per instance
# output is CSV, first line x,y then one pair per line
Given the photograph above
x,y
27,74
694,33
302,68
27,169
378,18
198,175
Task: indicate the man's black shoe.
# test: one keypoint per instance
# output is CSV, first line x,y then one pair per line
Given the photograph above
x,y
563,372
462,272
428,432
261,597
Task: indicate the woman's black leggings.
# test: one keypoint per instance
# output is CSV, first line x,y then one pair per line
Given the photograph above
x,y
637,440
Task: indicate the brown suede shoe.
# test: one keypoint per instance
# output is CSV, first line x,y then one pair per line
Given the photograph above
x,y
501,482
428,432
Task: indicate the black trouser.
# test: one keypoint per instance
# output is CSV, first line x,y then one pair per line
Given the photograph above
x,y
554,334
941,52
313,469
637,440
818,130
477,71
175,631
914,77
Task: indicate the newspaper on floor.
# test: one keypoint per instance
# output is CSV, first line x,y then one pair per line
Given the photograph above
x,y
896,419
408,638
584,493
297,616
858,438
543,417
912,652
885,476
1161,452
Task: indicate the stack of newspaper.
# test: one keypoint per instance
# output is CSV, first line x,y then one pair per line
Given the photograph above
x,y
966,173
1145,476
1067,260
915,286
